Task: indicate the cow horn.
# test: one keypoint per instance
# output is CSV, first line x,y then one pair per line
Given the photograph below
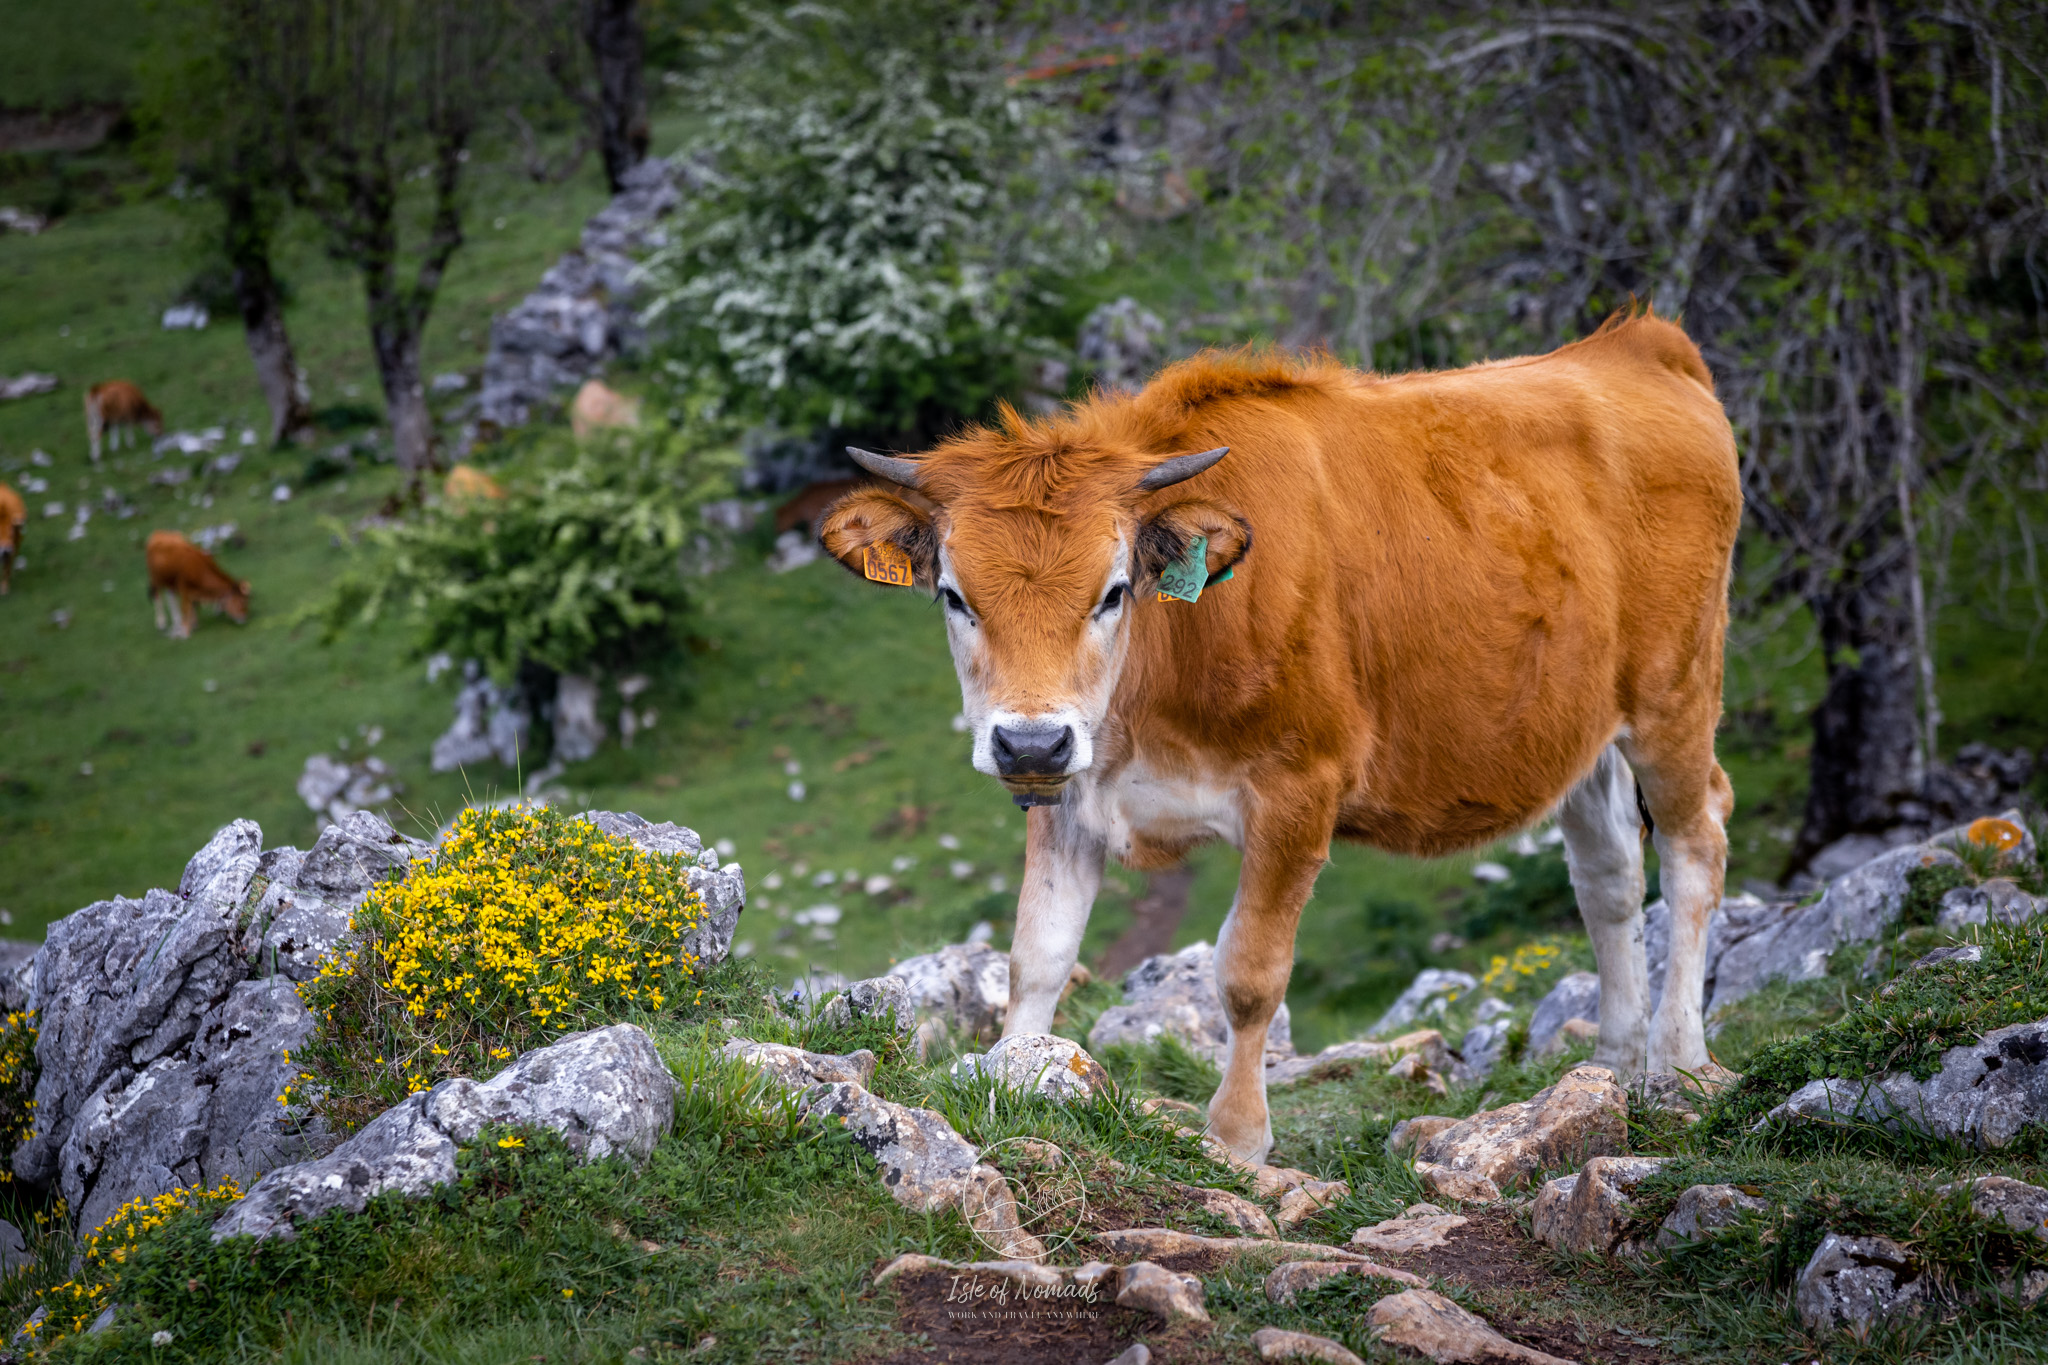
x,y
894,468
1169,472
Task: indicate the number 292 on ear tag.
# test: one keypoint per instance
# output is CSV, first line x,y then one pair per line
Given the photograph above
x,y
885,563
1185,577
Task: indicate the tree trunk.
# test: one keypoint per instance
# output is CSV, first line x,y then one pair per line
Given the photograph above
x,y
1866,729
397,348
262,307
618,49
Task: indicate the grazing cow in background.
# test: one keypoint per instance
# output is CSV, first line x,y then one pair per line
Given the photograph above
x,y
810,502
467,484
180,570
597,406
113,407
1459,601
13,520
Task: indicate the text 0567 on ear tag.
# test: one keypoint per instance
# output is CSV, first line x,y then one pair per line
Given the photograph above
x,y
885,563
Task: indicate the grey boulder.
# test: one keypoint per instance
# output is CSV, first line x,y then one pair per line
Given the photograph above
x,y
302,919
884,998
605,1091
1997,900
1589,1213
2001,1199
1043,1064
1584,1115
795,1069
1854,1283
1703,1210
1577,996
1430,993
961,991
1175,993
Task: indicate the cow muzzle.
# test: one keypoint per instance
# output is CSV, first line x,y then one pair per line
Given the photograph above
x,y
1033,761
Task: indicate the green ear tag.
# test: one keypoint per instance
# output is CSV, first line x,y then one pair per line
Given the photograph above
x,y
1185,576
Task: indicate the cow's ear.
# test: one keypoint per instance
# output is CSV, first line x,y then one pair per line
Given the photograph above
x,y
1164,537
871,519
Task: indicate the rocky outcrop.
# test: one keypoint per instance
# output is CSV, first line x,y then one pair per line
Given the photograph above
x,y
304,909
2000,1199
1996,900
605,1091
794,1069
1041,1063
1410,1134
1589,1212
1703,1210
1431,1325
1984,1094
1175,993
1854,1283
584,312
961,991
1584,1115
1428,995
885,998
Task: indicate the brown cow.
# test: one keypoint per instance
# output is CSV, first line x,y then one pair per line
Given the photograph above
x,y
13,521
1476,597
114,407
179,568
466,484
810,502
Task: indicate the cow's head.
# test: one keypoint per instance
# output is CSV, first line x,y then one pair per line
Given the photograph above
x,y
1039,553
235,603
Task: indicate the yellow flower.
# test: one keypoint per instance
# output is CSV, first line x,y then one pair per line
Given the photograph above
x,y
511,1141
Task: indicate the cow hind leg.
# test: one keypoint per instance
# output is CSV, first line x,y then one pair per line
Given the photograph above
x,y
1603,847
1689,801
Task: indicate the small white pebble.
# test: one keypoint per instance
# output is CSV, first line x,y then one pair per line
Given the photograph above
x,y
726,848
772,882
796,791
961,869
1490,872
281,493
998,883
950,842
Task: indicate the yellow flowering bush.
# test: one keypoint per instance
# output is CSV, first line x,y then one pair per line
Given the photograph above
x,y
1503,974
17,1085
71,1306
524,925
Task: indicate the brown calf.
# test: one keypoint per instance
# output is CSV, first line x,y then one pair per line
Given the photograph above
x,y
809,503
13,519
114,407
1458,602
180,569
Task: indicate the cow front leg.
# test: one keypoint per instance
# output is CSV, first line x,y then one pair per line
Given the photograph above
x,y
1062,871
1254,958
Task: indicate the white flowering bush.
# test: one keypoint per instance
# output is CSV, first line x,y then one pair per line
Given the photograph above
x,y
886,226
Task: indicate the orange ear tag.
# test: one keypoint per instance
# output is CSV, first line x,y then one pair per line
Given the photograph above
x,y
885,563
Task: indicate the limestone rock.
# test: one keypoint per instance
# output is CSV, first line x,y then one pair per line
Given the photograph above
x,y
1431,1325
1272,1182
1291,1277
301,923
723,889
1420,1227
1155,1289
1430,993
796,1069
1462,1187
605,1091
1997,900
1055,1067
962,990
2015,1203
1409,1134
1426,1045
1310,1198
1577,996
1584,1115
886,998
1705,1209
1984,1094
1274,1343
1143,1242
1413,1068
1176,993
1484,1046
1854,1283
926,1166
1587,1213
1234,1209
13,1250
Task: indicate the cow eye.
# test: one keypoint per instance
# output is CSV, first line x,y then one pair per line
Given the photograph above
x,y
954,601
1111,599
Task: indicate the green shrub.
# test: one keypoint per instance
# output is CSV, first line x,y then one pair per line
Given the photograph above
x,y
577,569
17,1086
523,926
885,226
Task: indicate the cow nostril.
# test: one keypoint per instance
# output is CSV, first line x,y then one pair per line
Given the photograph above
x,y
1032,749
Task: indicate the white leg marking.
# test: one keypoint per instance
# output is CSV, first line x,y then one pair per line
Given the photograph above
x,y
1603,847
1691,883
1062,872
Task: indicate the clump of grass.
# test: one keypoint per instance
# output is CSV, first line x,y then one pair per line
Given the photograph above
x,y
1166,1066
525,925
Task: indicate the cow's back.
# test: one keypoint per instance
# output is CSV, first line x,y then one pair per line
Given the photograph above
x,y
13,516
1458,582
175,562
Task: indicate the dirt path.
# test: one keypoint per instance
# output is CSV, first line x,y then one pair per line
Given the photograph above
x,y
1154,918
